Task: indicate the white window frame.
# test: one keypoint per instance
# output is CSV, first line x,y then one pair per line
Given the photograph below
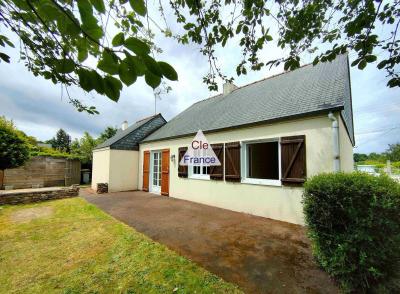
x,y
244,163
200,176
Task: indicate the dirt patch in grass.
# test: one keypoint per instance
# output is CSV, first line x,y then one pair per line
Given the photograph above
x,y
28,214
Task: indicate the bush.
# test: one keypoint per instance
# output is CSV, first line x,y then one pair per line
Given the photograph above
x,y
354,225
14,151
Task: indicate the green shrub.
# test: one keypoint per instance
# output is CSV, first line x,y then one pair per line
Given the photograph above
x,y
354,225
14,151
44,151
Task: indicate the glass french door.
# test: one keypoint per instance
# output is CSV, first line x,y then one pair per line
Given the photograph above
x,y
156,172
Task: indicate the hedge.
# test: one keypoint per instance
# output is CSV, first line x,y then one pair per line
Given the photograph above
x,y
353,222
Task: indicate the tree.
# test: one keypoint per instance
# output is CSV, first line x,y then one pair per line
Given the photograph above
x,y
61,142
14,151
377,156
107,134
58,37
393,152
84,148
5,123
360,157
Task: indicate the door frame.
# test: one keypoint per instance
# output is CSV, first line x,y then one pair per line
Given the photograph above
x,y
151,189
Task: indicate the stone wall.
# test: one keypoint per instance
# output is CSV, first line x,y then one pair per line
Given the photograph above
x,y
44,171
24,196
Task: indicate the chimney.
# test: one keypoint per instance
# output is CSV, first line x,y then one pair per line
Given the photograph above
x,y
228,88
124,125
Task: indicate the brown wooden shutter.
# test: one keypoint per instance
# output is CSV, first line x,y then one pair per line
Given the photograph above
x,y
217,172
146,170
293,159
232,162
182,169
165,172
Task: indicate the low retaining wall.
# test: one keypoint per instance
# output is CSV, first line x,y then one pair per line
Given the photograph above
x,y
24,196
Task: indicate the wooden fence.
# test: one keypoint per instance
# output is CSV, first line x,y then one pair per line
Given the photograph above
x,y
44,171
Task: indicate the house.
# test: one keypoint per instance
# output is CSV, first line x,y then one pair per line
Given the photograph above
x,y
269,136
116,160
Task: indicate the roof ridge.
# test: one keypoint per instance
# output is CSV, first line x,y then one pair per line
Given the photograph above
x,y
147,117
252,83
273,76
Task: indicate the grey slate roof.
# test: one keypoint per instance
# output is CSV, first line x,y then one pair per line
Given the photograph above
x,y
304,91
129,139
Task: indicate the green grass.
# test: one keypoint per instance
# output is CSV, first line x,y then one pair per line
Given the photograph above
x,y
80,249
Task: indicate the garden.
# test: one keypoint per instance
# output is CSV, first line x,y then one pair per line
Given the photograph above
x,y
70,246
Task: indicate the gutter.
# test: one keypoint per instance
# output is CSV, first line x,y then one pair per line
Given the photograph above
x,y
335,142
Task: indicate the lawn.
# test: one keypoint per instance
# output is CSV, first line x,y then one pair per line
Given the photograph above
x,y
70,246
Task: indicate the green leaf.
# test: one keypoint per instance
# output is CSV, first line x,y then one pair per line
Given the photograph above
x,y
85,80
108,63
92,29
82,49
137,46
64,66
97,82
99,5
152,65
127,73
6,40
382,64
152,80
48,10
370,58
362,64
85,10
137,64
5,57
168,71
89,22
112,87
138,6
67,26
118,40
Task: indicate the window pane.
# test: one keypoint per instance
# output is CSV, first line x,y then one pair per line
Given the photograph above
x,y
263,161
196,170
206,170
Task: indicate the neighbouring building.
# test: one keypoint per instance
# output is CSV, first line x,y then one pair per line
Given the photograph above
x,y
270,136
115,161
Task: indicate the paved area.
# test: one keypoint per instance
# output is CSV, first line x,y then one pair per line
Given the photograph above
x,y
259,255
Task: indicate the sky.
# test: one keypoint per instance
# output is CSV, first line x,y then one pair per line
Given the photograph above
x,y
38,107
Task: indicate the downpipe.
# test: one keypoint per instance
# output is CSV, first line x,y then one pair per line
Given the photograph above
x,y
335,139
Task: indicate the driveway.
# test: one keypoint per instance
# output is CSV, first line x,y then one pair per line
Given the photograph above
x,y
260,255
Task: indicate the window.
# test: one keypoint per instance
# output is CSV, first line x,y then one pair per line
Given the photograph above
x,y
261,162
199,172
